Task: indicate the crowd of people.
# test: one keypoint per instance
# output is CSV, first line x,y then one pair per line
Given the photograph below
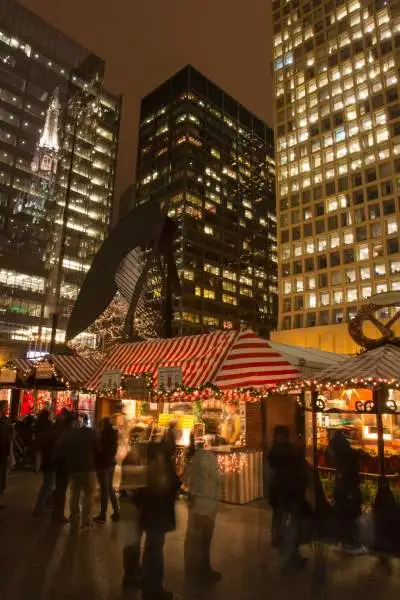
x,y
73,455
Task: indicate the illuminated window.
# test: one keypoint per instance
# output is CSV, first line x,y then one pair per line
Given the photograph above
x,y
348,237
380,269
287,287
335,241
299,285
352,295
188,275
208,230
198,291
366,292
363,253
391,226
210,294
381,288
395,266
227,299
322,245
324,299
365,273
338,296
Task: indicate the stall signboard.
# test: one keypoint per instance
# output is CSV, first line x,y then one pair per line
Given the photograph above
x,y
110,380
8,375
182,421
136,388
169,378
43,370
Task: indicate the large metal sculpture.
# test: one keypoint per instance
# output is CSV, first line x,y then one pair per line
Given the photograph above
x,y
367,314
137,260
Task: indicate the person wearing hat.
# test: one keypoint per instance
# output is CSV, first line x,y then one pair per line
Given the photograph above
x,y
5,444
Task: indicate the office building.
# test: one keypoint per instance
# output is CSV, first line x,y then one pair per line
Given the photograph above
x,y
338,162
209,162
58,144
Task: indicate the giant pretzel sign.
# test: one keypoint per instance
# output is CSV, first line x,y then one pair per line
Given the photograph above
x,y
367,313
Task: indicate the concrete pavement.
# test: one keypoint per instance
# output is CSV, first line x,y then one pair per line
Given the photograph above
x,y
39,561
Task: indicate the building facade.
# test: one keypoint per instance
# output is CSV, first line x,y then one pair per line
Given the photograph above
x,y
58,144
209,162
338,157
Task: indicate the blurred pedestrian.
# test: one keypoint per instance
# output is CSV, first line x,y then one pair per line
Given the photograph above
x,y
79,447
156,505
105,463
347,491
5,445
203,490
46,437
287,496
63,424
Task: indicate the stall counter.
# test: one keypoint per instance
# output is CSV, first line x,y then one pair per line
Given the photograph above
x,y
241,472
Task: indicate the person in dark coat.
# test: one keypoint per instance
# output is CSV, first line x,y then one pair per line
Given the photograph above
x,y
156,505
347,492
45,444
63,424
105,464
79,448
287,494
5,445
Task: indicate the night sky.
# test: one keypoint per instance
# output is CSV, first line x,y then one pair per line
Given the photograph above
x,y
145,41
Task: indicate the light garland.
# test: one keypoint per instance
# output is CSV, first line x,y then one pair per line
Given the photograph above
x,y
232,463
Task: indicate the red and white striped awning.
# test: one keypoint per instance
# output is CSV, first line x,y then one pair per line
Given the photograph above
x,y
23,366
75,369
251,362
226,358
380,363
196,354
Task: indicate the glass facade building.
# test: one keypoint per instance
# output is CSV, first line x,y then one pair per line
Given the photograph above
x,y
58,144
336,72
209,162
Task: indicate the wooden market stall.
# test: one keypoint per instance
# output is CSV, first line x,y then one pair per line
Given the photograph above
x,y
209,385
358,399
55,382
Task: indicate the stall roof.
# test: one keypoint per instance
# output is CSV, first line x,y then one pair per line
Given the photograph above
x,y
380,363
310,357
227,358
23,366
75,369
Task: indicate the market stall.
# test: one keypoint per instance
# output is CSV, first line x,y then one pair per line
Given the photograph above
x,y
54,382
14,386
209,385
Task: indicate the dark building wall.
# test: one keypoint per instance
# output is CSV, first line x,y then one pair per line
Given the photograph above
x,y
58,144
210,163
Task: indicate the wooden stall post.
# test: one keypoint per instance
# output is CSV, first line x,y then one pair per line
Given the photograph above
x,y
379,396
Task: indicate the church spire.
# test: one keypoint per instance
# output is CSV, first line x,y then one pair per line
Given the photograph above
x,y
49,139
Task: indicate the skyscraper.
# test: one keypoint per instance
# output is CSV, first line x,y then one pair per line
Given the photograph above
x,y
209,162
338,159
58,142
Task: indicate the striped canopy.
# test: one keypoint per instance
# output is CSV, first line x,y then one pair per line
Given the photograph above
x,y
228,359
75,369
380,363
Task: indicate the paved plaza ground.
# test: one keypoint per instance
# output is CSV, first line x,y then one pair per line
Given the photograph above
x,y
39,561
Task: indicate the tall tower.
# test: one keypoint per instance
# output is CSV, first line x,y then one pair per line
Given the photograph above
x,y
56,176
337,150
209,162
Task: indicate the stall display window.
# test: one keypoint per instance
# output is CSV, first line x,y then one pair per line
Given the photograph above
x,y
64,401
341,413
27,403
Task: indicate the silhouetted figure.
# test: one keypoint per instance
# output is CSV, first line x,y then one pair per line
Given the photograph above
x,y
5,445
105,464
79,447
156,505
287,493
347,492
46,436
63,424
203,484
